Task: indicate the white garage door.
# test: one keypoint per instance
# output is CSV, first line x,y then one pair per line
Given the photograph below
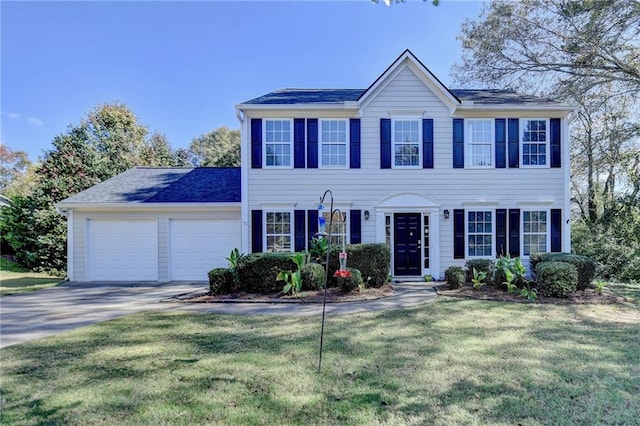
x,y
198,246
122,250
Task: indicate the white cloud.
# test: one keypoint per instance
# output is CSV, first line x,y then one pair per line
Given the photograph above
x,y
13,115
35,122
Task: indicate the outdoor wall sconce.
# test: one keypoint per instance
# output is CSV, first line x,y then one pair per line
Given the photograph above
x,y
446,214
366,215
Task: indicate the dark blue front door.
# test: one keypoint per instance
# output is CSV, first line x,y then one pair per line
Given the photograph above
x,y
406,244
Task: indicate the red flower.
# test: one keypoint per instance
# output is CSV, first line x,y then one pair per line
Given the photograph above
x,y
342,274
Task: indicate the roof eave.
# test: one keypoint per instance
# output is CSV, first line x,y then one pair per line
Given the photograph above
x,y
279,107
518,107
142,206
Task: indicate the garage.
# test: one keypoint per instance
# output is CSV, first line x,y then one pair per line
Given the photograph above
x,y
122,250
197,246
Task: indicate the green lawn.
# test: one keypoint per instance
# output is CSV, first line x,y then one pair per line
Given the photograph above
x,y
450,362
14,279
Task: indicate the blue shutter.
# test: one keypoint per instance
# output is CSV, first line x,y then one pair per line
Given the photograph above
x,y
501,232
554,138
256,231
312,143
356,226
312,224
514,143
298,143
299,230
458,234
556,230
458,143
256,143
354,143
385,143
501,143
514,232
427,143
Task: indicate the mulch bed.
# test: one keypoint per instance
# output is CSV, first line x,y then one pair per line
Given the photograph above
x,y
588,296
334,295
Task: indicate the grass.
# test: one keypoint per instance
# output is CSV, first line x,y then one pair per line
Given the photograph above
x,y
454,361
14,279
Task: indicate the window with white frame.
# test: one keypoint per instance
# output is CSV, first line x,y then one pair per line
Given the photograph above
x,y
333,143
277,137
479,137
278,231
535,139
338,227
479,233
535,227
406,142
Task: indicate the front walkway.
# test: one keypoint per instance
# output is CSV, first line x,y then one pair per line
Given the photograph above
x,y
31,316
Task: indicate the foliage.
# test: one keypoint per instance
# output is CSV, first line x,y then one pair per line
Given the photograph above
x,y
312,276
556,279
509,272
13,165
585,266
258,271
293,279
455,277
528,292
235,259
479,278
349,279
631,272
221,281
482,265
373,260
428,278
218,148
599,286
318,249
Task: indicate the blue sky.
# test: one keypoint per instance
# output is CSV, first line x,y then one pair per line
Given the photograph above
x,y
182,67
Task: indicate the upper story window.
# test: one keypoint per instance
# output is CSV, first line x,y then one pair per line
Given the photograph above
x,y
534,231
406,143
278,236
333,143
479,233
535,140
277,137
479,147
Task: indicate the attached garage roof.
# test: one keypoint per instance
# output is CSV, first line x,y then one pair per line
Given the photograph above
x,y
142,185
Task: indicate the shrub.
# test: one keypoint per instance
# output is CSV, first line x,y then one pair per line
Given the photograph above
x,y
221,281
585,266
348,280
556,279
257,272
312,276
454,275
482,266
372,260
515,277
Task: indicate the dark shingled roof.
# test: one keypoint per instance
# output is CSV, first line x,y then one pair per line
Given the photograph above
x,y
143,185
337,96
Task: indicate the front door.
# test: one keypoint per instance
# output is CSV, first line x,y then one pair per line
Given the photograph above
x,y
406,244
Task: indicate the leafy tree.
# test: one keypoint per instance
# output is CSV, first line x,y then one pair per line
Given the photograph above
x,y
218,148
13,165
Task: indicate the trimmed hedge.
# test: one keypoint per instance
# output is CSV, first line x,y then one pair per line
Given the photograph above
x,y
312,276
455,277
347,285
221,281
556,279
481,265
585,266
257,272
372,260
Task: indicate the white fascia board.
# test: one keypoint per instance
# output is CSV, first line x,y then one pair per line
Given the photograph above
x,y
147,206
298,107
565,108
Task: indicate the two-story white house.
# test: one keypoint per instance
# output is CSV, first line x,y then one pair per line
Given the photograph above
x,y
442,175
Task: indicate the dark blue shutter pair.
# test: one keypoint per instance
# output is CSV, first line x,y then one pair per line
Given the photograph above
x,y
386,148
513,233
298,143
312,143
298,227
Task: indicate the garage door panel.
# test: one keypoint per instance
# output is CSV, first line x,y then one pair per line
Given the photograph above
x,y
122,250
197,246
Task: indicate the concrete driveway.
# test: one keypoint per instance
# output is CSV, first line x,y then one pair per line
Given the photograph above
x,y
31,316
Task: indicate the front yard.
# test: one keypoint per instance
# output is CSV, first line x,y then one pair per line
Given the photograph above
x,y
14,280
455,361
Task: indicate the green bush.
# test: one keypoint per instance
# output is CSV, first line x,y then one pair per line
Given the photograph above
x,y
351,282
257,272
556,279
631,272
372,260
585,265
517,269
454,275
480,265
312,276
221,281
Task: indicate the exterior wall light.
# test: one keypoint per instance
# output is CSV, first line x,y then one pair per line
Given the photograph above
x,y
446,214
366,215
